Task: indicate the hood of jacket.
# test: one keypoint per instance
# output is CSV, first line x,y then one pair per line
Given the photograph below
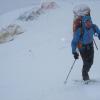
x,y
84,19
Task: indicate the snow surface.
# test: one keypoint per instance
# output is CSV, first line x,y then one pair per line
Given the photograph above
x,y
34,65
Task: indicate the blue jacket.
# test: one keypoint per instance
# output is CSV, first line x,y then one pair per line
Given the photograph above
x,y
87,36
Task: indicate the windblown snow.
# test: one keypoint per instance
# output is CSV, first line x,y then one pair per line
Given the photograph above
x,y
34,65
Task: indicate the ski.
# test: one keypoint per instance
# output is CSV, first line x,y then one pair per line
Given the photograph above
x,y
86,82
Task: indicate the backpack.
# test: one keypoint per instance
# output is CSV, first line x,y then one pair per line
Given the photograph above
x,y
79,11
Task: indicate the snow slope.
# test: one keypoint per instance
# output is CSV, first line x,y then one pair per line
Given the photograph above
x,y
34,65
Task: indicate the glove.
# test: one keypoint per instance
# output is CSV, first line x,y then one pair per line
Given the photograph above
x,y
76,55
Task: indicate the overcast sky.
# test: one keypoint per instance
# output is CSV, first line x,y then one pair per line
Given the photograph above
x,y
9,5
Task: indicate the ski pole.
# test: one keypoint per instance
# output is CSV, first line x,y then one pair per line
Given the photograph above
x,y
95,44
69,72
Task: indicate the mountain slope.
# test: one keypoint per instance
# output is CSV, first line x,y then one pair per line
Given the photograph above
x,y
34,65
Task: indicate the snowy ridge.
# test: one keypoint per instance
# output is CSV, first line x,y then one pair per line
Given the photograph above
x,y
33,14
7,34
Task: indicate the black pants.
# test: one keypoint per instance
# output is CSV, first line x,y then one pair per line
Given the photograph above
x,y
87,55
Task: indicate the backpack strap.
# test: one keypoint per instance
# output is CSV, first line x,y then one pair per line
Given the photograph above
x,y
81,36
81,31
